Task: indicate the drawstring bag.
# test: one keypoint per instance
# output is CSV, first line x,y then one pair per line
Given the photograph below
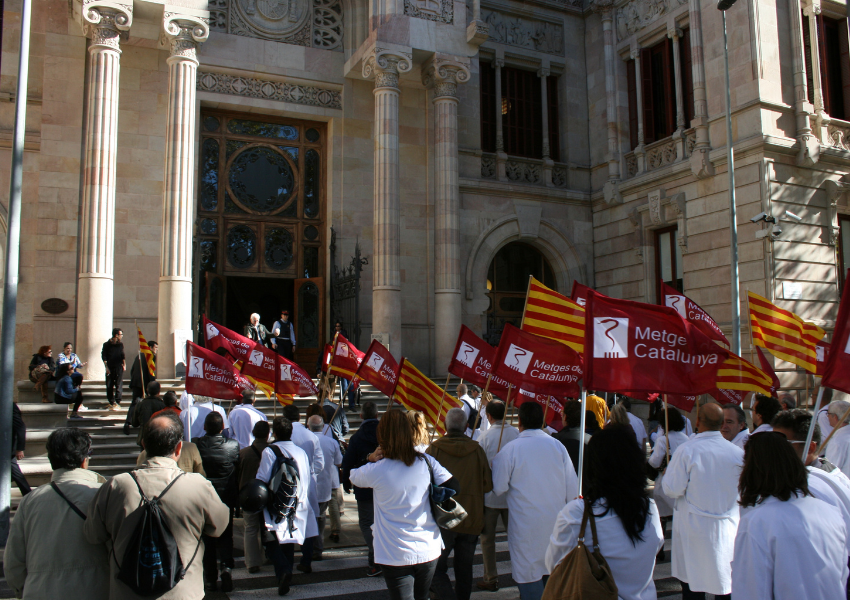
x,y
447,512
582,574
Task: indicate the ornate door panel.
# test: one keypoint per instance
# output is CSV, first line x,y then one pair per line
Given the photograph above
x,y
309,321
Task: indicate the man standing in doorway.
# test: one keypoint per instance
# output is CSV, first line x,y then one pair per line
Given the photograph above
x,y
114,360
284,340
257,331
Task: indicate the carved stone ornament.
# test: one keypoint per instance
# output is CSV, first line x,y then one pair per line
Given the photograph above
x,y
521,32
679,204
386,65
611,192
809,153
316,23
477,32
184,33
443,76
104,22
701,167
836,192
656,214
637,14
441,11
602,7
250,87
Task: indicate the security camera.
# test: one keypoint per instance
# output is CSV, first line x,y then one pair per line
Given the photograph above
x,y
788,214
725,4
776,231
763,216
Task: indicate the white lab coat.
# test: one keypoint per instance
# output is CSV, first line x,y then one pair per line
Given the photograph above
x,y
193,418
761,428
822,489
631,564
302,510
740,440
639,428
309,443
664,502
538,476
794,550
489,442
838,449
823,422
242,421
328,479
703,478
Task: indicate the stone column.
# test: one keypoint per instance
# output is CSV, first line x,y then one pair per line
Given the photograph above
x,y
501,156
605,9
385,65
443,75
640,153
183,34
808,145
701,166
104,25
812,11
548,163
679,134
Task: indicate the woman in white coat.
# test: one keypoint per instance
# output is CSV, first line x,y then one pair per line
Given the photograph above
x,y
790,545
629,531
658,460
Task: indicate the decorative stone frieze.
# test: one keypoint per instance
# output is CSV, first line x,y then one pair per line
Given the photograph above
x,y
250,87
522,32
656,212
638,14
441,11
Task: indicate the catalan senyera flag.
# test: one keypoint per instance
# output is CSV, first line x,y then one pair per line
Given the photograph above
x,y
146,352
783,333
417,392
737,374
551,315
267,388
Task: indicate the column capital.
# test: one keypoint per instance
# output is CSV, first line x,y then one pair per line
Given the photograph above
x,y
103,21
543,72
183,33
499,62
443,74
634,53
674,33
812,8
386,64
604,8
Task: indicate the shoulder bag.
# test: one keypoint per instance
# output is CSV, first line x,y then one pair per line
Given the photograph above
x,y
582,574
447,513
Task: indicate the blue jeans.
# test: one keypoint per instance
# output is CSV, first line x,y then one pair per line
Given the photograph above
x,y
410,582
365,518
533,590
282,556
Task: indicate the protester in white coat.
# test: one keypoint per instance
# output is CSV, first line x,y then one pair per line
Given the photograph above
x,y
790,545
243,418
734,426
194,416
627,524
838,449
703,477
278,540
327,481
658,459
538,477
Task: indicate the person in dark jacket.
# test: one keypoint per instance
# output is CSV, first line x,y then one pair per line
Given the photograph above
x,y
221,463
147,407
360,446
19,441
68,389
570,435
41,370
140,377
114,360
255,524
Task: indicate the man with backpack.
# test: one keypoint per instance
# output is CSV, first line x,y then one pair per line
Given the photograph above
x,y
286,470
161,509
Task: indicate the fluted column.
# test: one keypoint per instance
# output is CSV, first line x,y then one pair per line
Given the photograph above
x,y
701,166
501,156
808,146
103,24
679,135
605,9
385,65
811,12
443,77
640,152
183,36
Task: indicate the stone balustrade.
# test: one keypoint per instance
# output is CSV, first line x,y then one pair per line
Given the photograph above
x,y
529,171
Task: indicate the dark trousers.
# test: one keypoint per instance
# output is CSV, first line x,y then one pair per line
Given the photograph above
x,y
687,594
218,549
132,409
19,479
365,518
284,349
307,551
76,400
282,556
410,582
463,545
114,384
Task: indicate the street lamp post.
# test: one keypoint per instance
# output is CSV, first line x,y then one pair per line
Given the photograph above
x,y
723,6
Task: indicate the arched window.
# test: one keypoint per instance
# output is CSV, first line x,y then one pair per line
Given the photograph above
x,y
507,283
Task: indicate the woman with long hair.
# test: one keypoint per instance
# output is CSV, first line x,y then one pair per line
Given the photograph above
x,y
627,524
789,545
41,370
407,540
421,437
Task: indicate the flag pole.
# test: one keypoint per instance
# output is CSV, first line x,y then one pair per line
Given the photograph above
x,y
667,428
750,329
546,411
141,371
581,438
392,396
806,375
338,406
812,424
831,433
328,373
442,400
478,416
504,418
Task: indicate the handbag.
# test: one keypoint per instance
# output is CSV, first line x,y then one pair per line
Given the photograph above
x,y
447,512
583,574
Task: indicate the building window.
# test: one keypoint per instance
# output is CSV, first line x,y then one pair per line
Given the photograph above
x,y
834,56
658,90
668,261
520,111
843,247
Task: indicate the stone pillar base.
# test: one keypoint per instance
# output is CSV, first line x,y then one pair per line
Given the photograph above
x,y
447,319
386,317
94,322
175,313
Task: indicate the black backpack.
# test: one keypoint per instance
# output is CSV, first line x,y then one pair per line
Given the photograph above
x,y
473,416
283,486
152,564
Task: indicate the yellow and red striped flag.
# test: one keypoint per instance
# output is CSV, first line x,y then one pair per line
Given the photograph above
x,y
417,392
737,374
551,315
783,333
146,351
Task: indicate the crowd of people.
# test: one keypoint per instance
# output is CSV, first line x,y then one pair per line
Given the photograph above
x,y
753,515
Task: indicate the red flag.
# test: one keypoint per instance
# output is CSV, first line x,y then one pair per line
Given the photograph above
x,y
579,295
292,379
326,357
768,370
210,374
217,337
556,407
472,361
537,364
260,364
836,371
822,351
347,359
682,402
646,348
729,396
692,313
379,368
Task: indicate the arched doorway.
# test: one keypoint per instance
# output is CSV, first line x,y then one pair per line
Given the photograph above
x,y
507,283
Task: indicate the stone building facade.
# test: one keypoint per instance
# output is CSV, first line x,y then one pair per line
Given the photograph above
x,y
200,157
